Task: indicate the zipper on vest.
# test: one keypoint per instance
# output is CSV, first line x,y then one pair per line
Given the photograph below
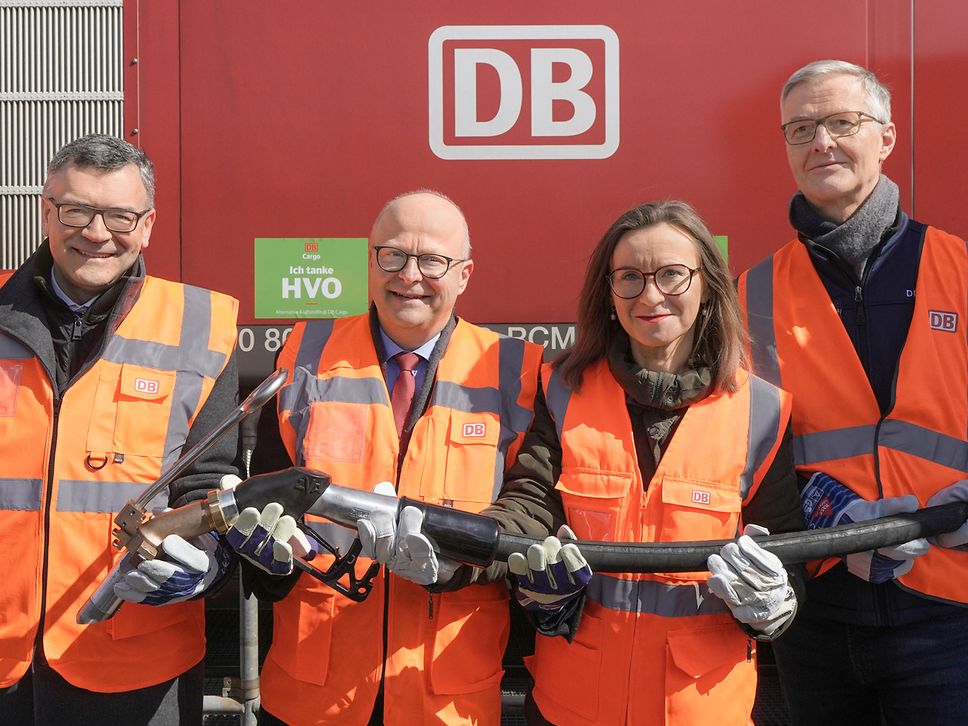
x,y
76,329
749,650
45,566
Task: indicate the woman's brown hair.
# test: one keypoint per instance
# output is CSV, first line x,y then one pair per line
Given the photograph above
x,y
720,341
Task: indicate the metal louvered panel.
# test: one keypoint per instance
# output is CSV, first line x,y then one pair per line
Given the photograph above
x,y
61,71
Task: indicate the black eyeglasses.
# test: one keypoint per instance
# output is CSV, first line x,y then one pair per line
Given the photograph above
x,y
843,123
81,215
431,265
628,282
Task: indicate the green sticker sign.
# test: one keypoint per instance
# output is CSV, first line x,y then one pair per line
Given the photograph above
x,y
322,277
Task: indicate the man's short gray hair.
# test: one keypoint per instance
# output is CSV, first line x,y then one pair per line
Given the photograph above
x,y
105,153
439,195
878,97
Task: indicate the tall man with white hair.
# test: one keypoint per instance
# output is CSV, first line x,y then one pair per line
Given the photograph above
x,y
862,317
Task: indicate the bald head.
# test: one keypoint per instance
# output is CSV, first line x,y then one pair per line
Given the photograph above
x,y
412,307
439,207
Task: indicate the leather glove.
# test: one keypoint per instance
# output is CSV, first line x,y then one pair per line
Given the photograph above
x,y
753,583
827,503
378,533
401,546
957,492
552,575
181,571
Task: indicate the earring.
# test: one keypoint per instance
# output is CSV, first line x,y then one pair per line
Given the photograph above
x,y
612,315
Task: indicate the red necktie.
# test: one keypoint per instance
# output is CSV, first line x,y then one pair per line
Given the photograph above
x,y
401,397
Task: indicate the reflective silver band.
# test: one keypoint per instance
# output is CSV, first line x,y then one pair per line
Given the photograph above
x,y
20,495
105,497
11,349
647,597
900,436
764,429
759,313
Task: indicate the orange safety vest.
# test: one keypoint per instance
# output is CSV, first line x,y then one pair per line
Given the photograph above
x,y
439,655
655,648
68,466
920,445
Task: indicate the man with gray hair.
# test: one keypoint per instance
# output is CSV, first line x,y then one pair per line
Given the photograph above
x,y
107,375
862,318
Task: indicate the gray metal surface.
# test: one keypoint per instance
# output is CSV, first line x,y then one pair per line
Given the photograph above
x,y
61,76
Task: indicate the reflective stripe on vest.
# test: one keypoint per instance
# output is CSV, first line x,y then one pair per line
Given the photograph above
x,y
898,435
648,597
102,496
759,310
20,495
11,349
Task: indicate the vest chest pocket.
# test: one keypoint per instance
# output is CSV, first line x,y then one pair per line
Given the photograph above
x,y
141,402
594,501
697,510
473,463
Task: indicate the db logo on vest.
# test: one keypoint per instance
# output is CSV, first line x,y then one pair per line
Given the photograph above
x,y
145,385
700,497
474,430
523,92
942,320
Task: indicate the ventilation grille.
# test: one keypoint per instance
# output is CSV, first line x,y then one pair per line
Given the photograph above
x,y
61,69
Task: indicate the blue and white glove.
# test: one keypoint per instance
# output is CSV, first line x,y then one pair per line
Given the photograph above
x,y
400,545
957,492
753,583
552,575
827,503
181,571
269,538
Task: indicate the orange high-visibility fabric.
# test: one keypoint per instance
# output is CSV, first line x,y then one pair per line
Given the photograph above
x,y
105,419
919,446
655,648
443,655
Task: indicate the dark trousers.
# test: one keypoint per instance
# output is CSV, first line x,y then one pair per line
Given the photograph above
x,y
44,698
836,673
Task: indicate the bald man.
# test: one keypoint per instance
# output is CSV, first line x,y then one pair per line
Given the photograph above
x,y
436,408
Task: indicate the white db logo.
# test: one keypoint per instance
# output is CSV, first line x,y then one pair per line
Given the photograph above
x,y
523,91
145,385
474,430
941,320
700,497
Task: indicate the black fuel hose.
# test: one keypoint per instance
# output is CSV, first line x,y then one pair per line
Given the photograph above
x,y
790,547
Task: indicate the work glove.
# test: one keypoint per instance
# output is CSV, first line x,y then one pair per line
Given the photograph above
x,y
268,539
753,583
551,575
827,503
401,546
957,492
181,571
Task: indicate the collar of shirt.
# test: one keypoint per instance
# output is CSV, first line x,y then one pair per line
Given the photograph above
x,y
79,309
390,368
